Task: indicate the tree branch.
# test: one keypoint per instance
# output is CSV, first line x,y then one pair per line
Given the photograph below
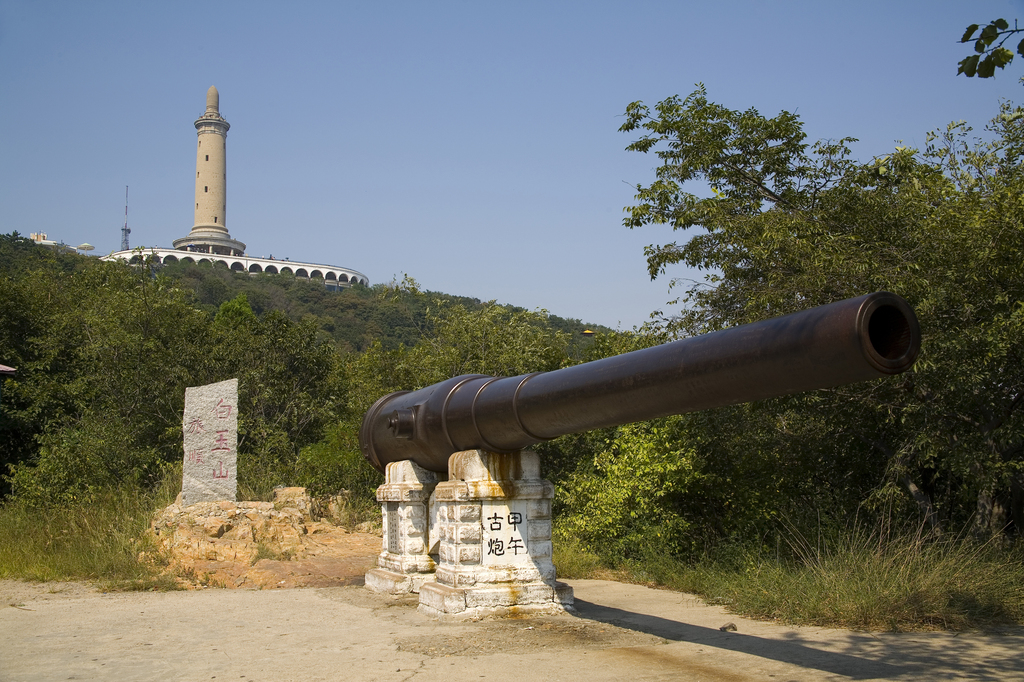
x,y
770,195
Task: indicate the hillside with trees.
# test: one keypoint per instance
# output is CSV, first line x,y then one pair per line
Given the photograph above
x,y
354,317
104,352
918,477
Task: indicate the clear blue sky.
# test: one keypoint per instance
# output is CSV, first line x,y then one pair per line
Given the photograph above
x,y
472,145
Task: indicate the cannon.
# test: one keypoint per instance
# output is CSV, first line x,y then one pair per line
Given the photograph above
x,y
857,339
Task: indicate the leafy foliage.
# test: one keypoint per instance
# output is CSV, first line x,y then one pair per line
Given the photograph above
x,y
990,55
787,226
104,353
97,342
394,313
458,339
290,390
634,497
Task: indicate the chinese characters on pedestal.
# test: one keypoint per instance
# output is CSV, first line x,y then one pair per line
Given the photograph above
x,y
505,533
210,428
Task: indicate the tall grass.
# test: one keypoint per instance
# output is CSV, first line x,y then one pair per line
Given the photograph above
x,y
853,578
101,540
573,559
874,580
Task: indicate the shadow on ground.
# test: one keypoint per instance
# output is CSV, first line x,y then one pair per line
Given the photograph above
x,y
853,655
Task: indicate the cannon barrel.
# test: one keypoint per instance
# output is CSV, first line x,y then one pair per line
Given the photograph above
x,y
853,340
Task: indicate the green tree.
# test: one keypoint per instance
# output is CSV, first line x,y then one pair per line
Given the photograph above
x,y
785,226
105,352
291,388
491,339
105,357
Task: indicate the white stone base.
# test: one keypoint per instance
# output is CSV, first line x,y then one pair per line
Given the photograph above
x,y
404,563
496,599
494,526
389,582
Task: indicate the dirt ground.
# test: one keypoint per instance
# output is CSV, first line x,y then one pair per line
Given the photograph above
x,y
310,618
60,631
351,555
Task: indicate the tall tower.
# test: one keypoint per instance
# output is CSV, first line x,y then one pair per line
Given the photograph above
x,y
125,231
210,233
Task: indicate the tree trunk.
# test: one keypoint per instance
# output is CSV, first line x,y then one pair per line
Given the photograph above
x,y
924,502
1017,505
990,516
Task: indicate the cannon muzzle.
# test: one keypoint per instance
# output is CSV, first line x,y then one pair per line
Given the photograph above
x,y
841,343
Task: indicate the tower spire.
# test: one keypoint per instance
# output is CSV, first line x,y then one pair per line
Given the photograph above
x,y
212,100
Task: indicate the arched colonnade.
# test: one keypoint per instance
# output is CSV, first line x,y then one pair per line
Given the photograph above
x,y
332,276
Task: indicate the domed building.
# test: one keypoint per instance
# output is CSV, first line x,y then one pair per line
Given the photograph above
x,y
209,239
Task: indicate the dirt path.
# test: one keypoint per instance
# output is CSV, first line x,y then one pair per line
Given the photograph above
x,y
60,631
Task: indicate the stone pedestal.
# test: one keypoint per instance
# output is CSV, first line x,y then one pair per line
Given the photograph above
x,y
404,563
494,525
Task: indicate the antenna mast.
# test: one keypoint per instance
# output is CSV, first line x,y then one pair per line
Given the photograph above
x,y
125,231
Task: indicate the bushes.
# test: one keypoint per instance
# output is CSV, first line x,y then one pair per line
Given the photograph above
x,y
789,225
78,463
335,463
103,368
627,503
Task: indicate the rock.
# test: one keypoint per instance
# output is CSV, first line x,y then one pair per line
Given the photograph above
x,y
371,527
240,532
292,498
216,544
216,527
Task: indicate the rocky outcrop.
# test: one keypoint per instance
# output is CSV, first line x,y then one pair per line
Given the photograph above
x,y
260,544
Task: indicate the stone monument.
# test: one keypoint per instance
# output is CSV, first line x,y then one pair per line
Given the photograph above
x,y
210,427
